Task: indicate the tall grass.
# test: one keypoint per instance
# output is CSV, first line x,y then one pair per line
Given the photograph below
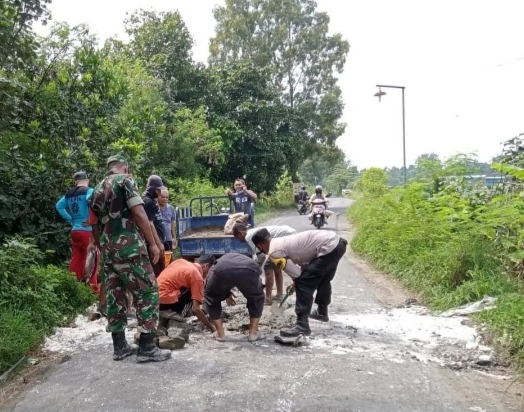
x,y
33,299
449,248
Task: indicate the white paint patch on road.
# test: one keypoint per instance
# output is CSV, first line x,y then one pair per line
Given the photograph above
x,y
402,334
412,325
84,335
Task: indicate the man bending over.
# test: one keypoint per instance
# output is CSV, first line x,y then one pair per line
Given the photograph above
x,y
181,288
317,252
272,272
230,271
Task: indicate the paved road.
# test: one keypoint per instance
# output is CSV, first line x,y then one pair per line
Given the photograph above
x,y
238,376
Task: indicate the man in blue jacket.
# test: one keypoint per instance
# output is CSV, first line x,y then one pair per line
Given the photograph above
x,y
74,208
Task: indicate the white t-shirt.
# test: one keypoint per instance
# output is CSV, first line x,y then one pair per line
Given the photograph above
x,y
274,231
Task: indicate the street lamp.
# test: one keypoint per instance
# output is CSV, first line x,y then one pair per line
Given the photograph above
x,y
379,94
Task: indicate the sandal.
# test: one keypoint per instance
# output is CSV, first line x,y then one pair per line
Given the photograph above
x,y
217,338
258,337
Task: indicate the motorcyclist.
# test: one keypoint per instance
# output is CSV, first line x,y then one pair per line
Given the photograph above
x,y
318,195
302,194
303,197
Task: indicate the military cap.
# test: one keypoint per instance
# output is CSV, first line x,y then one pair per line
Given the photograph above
x,y
116,158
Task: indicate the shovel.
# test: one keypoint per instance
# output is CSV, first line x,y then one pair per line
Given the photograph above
x,y
276,307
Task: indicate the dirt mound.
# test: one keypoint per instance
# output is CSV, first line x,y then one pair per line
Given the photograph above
x,y
236,318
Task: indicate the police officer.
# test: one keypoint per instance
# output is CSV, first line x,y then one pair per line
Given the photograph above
x,y
121,231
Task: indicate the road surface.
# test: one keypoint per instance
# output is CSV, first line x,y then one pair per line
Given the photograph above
x,y
343,369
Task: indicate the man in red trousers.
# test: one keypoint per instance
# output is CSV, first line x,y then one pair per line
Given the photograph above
x,y
74,209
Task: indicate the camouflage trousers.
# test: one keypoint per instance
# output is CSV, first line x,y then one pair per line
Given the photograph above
x,y
136,276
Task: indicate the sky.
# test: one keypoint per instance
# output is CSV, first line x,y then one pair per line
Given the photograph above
x,y
461,63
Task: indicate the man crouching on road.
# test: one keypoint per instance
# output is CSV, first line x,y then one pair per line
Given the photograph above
x,y
230,271
317,252
272,273
181,288
119,231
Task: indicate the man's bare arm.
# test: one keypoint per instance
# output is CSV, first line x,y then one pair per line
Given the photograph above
x,y
199,313
155,235
252,195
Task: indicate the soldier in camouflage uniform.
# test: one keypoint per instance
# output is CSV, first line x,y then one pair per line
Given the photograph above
x,y
120,228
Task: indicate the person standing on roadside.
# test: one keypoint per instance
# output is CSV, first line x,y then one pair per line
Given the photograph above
x,y
311,259
168,219
73,207
153,191
243,199
120,231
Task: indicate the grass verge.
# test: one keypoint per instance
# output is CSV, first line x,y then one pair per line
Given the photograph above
x,y
33,299
438,247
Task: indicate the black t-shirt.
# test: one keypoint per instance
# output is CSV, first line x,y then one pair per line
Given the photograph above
x,y
243,202
154,215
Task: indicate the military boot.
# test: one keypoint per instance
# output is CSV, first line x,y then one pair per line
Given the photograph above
x,y
148,351
301,328
320,314
121,348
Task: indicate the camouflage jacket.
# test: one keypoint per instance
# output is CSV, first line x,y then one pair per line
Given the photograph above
x,y
111,203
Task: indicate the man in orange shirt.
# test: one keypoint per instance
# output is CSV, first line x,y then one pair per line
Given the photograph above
x,y
181,288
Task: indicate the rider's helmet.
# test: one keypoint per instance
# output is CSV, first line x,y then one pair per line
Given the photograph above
x,y
318,189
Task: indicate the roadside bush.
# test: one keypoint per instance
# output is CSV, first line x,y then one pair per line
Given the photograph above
x,y
33,298
452,247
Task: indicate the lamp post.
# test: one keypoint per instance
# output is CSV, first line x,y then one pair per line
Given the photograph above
x,y
379,94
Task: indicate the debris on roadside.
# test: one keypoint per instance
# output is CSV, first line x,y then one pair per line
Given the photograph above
x,y
409,302
485,303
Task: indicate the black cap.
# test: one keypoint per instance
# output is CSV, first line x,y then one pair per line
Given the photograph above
x,y
155,182
80,175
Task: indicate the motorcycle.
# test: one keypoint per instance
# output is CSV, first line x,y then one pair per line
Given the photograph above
x,y
302,207
319,212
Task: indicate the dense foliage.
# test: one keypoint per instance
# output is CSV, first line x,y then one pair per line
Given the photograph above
x,y
430,165
68,102
453,241
34,298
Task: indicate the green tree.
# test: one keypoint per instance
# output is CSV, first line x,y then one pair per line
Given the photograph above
x,y
67,125
429,169
292,38
342,175
373,182
320,163
163,43
258,135
18,52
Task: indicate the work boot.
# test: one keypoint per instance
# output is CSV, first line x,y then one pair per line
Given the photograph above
x,y
301,328
122,349
148,351
320,314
